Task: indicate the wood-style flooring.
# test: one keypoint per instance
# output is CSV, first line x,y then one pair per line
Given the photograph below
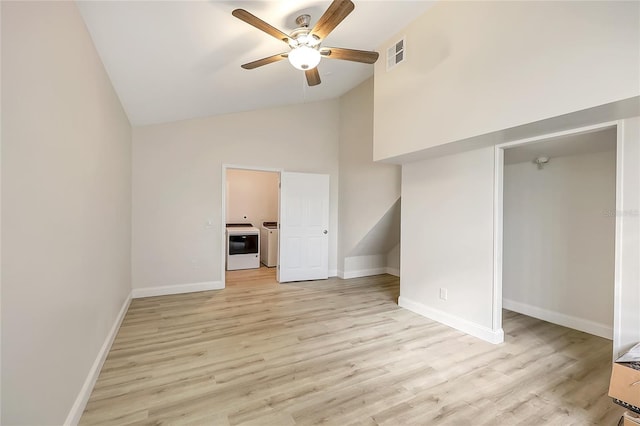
x,y
339,352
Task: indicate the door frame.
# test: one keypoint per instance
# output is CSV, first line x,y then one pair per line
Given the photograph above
x,y
499,219
223,215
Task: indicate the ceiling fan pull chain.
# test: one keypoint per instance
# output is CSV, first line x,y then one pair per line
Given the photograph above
x,y
304,88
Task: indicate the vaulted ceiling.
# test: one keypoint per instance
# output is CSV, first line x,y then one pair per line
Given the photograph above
x,y
175,60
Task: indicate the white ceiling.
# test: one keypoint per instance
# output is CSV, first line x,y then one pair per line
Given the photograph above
x,y
586,143
175,60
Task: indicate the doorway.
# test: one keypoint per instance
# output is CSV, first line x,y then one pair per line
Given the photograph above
x,y
297,205
251,211
556,229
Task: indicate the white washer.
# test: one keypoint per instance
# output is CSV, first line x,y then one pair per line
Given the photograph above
x,y
269,244
243,247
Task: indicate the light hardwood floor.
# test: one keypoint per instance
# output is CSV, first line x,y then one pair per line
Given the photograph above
x,y
339,352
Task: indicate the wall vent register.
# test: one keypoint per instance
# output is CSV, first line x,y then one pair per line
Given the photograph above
x,y
396,53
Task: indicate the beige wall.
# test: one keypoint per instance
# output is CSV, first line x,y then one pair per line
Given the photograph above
x,y
558,245
482,73
252,196
177,183
474,68
367,189
66,202
447,240
393,260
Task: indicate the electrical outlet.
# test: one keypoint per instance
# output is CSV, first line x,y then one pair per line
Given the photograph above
x,y
443,293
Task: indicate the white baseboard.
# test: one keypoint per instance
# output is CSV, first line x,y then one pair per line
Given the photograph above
x,y
361,273
466,326
333,273
176,289
393,271
368,272
85,392
564,320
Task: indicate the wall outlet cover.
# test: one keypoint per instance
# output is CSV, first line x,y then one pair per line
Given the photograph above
x,y
443,293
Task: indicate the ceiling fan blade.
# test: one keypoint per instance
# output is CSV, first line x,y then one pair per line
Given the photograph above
x,y
264,61
338,10
313,76
250,19
363,56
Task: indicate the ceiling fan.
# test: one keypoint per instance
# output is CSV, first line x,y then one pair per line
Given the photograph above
x,y
305,43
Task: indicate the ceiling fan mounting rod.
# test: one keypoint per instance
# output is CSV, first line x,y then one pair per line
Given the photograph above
x,y
303,21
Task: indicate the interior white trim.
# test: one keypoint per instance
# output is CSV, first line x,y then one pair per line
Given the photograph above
x,y
461,324
365,272
345,275
559,318
499,209
138,293
617,293
85,392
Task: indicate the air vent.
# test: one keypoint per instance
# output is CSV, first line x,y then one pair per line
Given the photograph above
x,y
396,53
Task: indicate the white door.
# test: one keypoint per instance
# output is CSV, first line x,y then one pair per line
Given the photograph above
x,y
304,227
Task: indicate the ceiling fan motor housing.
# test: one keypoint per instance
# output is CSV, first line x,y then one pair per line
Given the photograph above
x,y
302,36
303,21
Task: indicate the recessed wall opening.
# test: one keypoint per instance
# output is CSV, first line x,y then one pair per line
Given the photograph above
x,y
558,222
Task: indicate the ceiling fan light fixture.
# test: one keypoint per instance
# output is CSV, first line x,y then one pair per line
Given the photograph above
x,y
304,57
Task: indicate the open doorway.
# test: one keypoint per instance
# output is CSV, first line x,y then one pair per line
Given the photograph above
x,y
556,253
250,217
559,231
301,220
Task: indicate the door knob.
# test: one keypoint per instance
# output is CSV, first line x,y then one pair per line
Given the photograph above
x,y
325,232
